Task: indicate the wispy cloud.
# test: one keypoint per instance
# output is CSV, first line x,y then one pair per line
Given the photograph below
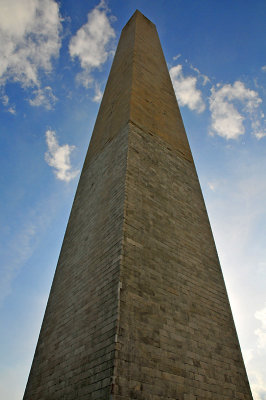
x,y
12,110
58,157
177,57
230,105
237,213
212,186
263,68
186,90
205,78
22,240
20,249
98,94
248,355
20,243
258,385
261,332
92,43
43,97
29,40
5,101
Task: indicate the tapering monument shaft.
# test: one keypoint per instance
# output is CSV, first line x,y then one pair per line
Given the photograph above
x,y
138,307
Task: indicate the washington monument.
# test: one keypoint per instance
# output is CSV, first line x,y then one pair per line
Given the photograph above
x,y
138,308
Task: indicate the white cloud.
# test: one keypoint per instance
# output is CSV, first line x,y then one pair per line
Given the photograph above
x,y
185,89
12,110
98,94
91,44
29,40
260,135
230,105
43,97
58,157
261,332
263,68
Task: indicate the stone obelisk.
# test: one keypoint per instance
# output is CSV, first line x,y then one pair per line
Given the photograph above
x,y
138,307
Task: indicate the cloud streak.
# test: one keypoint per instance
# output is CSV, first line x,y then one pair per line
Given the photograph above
x,y
261,332
205,78
21,241
19,251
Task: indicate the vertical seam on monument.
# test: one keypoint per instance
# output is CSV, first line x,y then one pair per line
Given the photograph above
x,y
119,288
132,71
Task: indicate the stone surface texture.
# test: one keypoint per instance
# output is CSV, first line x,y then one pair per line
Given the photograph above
x,y
138,307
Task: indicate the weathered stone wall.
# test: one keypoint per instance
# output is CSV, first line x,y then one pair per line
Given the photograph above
x,y
75,352
177,338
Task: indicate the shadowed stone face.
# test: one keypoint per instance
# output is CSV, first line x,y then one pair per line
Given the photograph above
x,y
138,307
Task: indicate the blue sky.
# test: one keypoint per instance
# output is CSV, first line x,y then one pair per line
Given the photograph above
x,y
55,62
